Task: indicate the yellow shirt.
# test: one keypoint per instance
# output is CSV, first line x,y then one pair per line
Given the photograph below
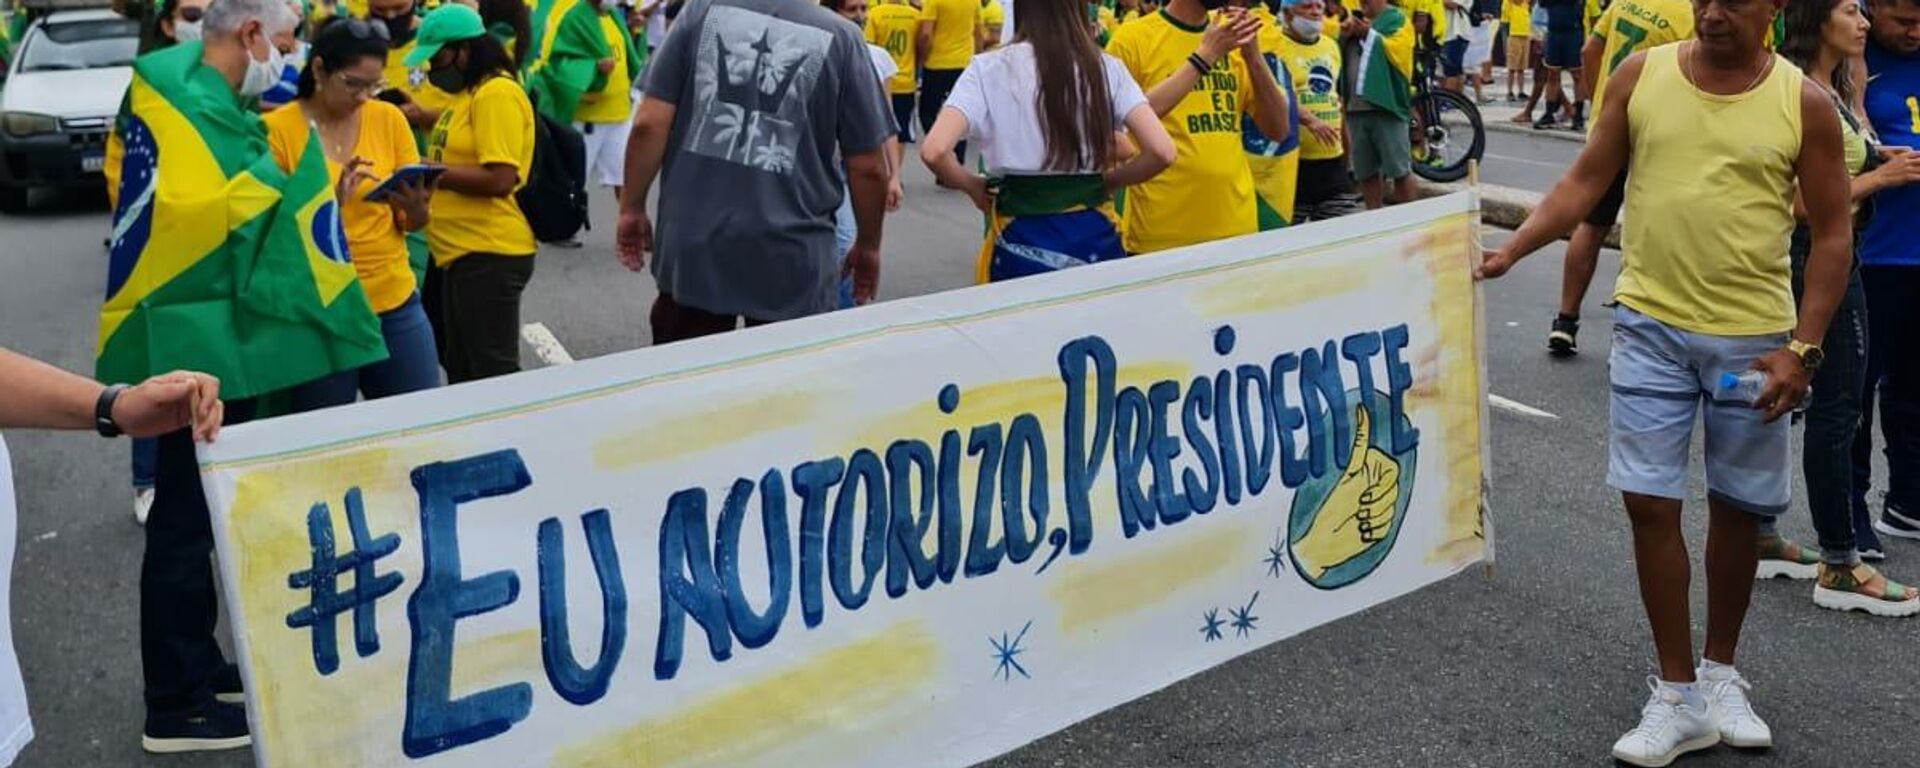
x,y
992,17
1208,192
893,26
954,24
413,82
1435,10
1631,26
1105,18
1315,68
378,245
1518,14
491,123
614,103
1710,185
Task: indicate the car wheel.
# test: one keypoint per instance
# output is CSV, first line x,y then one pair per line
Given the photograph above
x,y
13,199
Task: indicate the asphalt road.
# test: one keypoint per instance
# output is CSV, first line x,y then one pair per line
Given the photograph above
x,y
1540,664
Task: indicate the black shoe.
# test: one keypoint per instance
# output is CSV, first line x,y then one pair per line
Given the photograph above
x,y
213,727
227,688
1579,125
1561,341
1544,123
571,243
1898,523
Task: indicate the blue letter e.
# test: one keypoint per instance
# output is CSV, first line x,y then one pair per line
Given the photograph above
x,y
436,723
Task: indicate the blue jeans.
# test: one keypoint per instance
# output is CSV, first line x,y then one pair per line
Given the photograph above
x,y
1833,417
144,449
1893,374
845,231
412,365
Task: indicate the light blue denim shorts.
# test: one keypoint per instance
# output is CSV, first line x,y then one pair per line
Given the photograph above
x,y
1661,376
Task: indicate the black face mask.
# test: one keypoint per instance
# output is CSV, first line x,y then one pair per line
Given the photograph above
x,y
448,78
399,29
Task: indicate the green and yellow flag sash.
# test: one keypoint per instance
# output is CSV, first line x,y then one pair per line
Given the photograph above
x,y
566,50
220,261
1386,63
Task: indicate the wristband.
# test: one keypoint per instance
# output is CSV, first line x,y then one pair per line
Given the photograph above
x,y
103,411
1199,64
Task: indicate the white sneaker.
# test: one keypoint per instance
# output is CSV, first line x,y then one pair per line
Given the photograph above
x,y
1726,693
142,504
1668,729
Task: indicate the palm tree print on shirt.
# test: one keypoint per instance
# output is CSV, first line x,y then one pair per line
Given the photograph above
x,y
753,81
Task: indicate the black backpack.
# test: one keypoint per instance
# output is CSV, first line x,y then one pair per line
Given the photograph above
x,y
554,198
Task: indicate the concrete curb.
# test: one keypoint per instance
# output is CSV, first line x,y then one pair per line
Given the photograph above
x,y
1495,124
1504,207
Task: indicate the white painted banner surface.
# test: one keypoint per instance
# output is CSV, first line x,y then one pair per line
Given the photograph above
x,y
920,533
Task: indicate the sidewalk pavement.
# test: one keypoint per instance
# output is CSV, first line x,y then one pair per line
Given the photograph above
x,y
1498,116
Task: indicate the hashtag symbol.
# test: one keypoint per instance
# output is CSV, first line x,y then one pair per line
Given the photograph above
x,y
322,582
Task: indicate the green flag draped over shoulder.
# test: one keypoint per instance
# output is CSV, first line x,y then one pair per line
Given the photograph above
x,y
565,55
1386,63
219,260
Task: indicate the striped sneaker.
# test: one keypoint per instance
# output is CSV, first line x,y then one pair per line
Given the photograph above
x,y
1898,523
1783,559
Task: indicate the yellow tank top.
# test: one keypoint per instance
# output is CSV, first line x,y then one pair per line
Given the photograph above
x,y
1710,201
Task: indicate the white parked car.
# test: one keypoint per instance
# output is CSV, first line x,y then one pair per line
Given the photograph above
x,y
63,89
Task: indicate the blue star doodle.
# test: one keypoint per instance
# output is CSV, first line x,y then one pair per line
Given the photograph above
x,y
1004,652
1212,628
1276,557
1243,618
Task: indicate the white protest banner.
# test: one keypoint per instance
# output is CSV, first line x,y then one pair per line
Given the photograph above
x,y
920,533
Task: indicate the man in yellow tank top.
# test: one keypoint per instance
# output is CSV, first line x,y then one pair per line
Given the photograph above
x,y
1715,135
1627,27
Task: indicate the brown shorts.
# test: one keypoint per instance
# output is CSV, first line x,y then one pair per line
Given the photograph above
x,y
1519,49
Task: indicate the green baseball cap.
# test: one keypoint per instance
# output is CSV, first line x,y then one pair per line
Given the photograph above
x,y
450,23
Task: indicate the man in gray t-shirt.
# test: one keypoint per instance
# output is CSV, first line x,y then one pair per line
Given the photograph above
x,y
751,109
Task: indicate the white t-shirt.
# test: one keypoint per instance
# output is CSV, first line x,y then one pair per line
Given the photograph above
x,y
882,64
16,729
997,94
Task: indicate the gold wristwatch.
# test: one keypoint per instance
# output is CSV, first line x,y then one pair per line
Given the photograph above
x,y
1810,355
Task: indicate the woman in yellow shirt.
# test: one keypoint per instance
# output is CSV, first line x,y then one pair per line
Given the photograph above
x,y
366,140
480,239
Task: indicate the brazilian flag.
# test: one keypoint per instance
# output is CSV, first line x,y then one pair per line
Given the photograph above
x,y
219,260
567,47
1386,63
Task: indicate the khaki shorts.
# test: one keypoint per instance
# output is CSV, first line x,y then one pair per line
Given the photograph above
x,y
1519,49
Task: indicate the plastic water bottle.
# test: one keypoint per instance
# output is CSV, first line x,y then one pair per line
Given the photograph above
x,y
1744,386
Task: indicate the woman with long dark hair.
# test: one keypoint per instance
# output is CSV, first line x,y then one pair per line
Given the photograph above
x,y
480,239
1045,111
365,140
1823,38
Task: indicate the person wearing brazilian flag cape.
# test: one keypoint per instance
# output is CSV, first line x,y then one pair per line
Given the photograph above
x,y
219,262
568,58
1378,118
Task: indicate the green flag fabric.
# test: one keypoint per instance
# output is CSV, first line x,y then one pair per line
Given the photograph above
x,y
1386,63
219,260
564,59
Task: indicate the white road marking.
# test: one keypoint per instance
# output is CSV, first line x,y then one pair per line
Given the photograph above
x,y
48,536
1520,408
545,346
1528,161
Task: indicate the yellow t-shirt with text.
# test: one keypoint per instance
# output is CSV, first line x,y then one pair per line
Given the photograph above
x,y
1315,68
954,25
378,245
892,26
490,123
1208,192
613,103
1630,26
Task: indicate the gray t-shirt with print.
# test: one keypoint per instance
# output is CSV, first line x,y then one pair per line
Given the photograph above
x,y
767,95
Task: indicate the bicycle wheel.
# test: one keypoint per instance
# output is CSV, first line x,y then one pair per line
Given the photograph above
x,y
1447,133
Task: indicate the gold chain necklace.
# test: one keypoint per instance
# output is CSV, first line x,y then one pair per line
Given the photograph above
x,y
1692,73
339,153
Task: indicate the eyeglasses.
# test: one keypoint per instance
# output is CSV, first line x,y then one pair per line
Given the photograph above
x,y
357,85
191,14
361,29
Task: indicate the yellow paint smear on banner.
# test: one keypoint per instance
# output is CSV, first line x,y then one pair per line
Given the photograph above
x,y
1275,287
1447,252
711,427
835,692
1092,595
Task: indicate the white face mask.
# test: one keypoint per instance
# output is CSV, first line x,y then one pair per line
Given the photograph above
x,y
261,75
186,31
1304,28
